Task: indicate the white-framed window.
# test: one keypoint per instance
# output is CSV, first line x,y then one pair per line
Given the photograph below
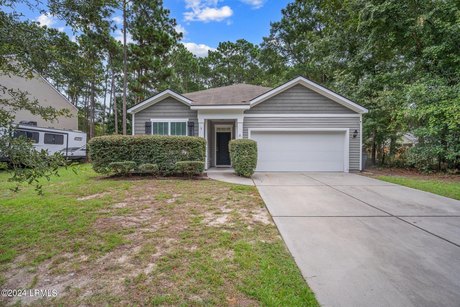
x,y
169,126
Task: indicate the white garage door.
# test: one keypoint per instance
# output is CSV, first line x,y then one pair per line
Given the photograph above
x,y
300,150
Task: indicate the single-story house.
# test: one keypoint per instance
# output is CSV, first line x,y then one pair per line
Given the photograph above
x,y
298,126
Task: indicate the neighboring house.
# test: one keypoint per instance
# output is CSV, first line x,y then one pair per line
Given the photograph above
x,y
298,126
408,140
39,88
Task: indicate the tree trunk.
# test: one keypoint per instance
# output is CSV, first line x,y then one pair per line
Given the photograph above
x,y
124,67
374,150
92,112
104,106
114,99
382,161
86,112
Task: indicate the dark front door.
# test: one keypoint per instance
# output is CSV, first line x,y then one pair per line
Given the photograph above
x,y
222,154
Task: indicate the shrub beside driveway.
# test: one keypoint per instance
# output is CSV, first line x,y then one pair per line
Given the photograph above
x,y
144,241
243,154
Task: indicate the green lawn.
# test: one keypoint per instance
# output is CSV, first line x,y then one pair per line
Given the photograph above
x,y
440,187
145,241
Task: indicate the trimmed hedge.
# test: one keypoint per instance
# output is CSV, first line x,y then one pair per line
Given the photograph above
x,y
148,168
189,168
122,168
164,151
243,154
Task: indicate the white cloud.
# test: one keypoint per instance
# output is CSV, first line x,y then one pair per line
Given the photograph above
x,y
200,50
256,4
180,29
118,20
118,35
46,20
51,22
206,11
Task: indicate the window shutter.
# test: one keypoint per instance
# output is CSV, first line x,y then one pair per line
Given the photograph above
x,y
191,126
148,127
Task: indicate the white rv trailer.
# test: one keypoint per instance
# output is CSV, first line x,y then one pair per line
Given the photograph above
x,y
70,143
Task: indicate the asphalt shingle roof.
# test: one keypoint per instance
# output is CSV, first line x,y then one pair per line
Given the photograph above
x,y
232,94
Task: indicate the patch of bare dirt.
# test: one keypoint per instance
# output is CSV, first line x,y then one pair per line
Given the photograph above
x,y
261,215
214,220
120,205
93,196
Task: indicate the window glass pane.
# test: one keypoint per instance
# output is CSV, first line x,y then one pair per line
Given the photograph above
x,y
165,128
160,128
57,139
32,136
179,128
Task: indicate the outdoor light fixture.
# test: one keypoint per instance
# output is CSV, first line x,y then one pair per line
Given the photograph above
x,y
355,134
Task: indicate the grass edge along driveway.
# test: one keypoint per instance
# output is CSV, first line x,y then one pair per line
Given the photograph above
x,y
449,189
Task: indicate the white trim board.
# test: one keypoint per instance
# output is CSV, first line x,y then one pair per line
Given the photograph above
x,y
346,131
237,115
220,107
301,115
133,126
162,120
361,142
314,87
157,98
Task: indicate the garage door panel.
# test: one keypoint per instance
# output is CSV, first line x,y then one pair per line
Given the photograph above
x,y
293,167
300,150
295,157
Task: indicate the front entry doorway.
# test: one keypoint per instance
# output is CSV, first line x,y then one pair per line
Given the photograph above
x,y
223,137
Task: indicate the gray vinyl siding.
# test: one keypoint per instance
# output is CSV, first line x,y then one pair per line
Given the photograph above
x,y
299,99
352,123
167,108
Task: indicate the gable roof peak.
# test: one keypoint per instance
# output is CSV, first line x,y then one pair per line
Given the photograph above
x,y
314,87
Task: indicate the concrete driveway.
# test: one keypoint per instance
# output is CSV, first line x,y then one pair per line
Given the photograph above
x,y
364,242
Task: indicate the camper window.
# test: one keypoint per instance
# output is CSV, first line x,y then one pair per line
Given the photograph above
x,y
33,136
51,138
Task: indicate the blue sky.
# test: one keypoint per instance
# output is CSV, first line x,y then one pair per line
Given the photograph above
x,y
204,23
209,22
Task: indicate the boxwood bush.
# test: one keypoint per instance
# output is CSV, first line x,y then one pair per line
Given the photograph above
x,y
122,168
164,151
189,168
148,168
243,154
